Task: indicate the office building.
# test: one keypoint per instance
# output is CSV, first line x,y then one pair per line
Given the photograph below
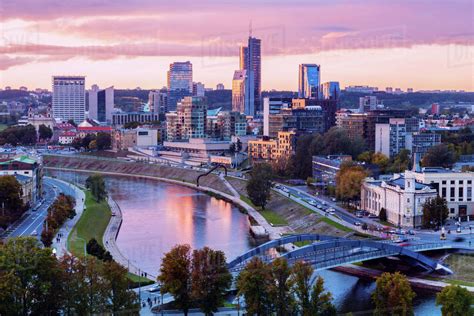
x,y
330,90
69,99
421,142
158,102
361,89
401,197
180,82
309,81
101,104
251,61
122,118
243,100
198,89
369,103
189,120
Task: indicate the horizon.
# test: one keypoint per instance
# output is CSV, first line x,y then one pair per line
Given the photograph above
x,y
386,44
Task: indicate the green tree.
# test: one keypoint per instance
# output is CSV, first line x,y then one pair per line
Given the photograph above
x,y
121,299
255,283
103,141
45,132
284,301
238,145
338,141
366,156
175,276
96,184
232,148
400,162
381,161
393,295
455,301
439,156
383,215
435,212
12,206
321,302
29,278
210,279
301,279
260,184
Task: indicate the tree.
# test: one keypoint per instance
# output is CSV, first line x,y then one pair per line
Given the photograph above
x,y
76,143
260,184
238,145
301,278
29,278
393,295
11,203
97,250
45,132
255,283
284,301
439,156
232,148
400,162
18,135
71,121
383,215
103,141
121,299
381,161
210,279
435,212
175,276
93,145
338,141
455,300
96,184
321,302
131,125
349,180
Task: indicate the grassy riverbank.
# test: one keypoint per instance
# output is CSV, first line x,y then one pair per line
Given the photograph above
x,y
92,224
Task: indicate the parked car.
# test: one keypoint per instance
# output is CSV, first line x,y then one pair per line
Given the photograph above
x,y
373,216
154,288
34,233
357,223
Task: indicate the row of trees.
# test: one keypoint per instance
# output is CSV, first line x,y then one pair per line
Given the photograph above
x,y
34,282
12,206
95,249
18,135
61,210
101,141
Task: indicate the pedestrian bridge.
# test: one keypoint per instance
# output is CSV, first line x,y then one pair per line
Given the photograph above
x,y
328,252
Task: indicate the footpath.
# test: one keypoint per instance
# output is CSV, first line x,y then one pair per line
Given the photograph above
x,y
60,240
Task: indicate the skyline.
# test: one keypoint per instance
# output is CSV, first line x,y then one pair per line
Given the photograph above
x,y
135,43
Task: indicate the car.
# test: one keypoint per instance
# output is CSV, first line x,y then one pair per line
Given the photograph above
x,y
373,216
357,223
458,230
319,206
333,199
33,210
459,239
312,202
154,288
411,232
34,233
324,203
359,215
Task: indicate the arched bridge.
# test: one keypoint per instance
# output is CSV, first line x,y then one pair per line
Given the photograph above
x,y
210,171
329,252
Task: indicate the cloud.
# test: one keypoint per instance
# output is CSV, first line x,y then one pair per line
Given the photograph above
x,y
8,62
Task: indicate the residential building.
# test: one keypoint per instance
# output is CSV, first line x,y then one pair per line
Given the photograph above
x,y
392,137
251,61
309,81
220,86
361,89
180,83
455,186
198,89
402,197
272,149
435,109
101,104
121,118
325,168
331,90
421,142
243,98
69,98
158,102
189,121
82,131
369,103
122,139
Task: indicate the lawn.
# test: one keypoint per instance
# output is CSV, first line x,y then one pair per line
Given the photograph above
x,y
92,224
335,224
271,217
3,126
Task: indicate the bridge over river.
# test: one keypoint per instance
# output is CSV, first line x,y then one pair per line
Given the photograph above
x,y
326,252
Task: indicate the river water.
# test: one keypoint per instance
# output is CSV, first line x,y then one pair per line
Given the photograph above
x,y
158,215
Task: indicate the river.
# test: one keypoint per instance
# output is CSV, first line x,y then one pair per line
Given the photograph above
x,y
158,215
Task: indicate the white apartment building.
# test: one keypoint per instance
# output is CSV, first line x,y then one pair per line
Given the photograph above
x,y
69,98
402,198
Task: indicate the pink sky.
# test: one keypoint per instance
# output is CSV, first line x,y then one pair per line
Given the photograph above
x,y
422,44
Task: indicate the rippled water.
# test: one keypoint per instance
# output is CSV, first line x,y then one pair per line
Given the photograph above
x,y
157,215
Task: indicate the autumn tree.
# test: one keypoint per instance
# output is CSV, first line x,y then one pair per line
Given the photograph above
x,y
455,300
260,184
120,298
12,206
439,156
175,276
210,279
103,141
349,180
284,300
255,283
393,295
435,212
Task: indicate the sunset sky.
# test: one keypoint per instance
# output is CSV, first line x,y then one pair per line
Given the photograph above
x,y
422,44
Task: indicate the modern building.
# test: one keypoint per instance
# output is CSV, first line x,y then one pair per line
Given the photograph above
x,y
361,89
220,86
189,120
222,125
369,103
122,118
331,90
251,61
455,186
180,82
421,142
158,102
198,89
101,104
325,168
266,149
69,101
243,98
402,197
309,81
392,137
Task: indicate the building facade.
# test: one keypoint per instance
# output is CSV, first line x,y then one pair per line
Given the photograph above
x,y
309,81
122,118
243,98
251,61
158,102
272,149
189,120
101,104
180,82
331,90
69,98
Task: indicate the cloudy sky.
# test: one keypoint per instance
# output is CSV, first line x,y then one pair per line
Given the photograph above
x,y
423,44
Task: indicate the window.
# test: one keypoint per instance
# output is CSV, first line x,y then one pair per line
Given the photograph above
x,y
443,182
451,210
452,194
461,192
443,194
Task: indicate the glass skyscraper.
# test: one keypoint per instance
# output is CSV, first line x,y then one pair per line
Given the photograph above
x,y
309,81
180,83
251,61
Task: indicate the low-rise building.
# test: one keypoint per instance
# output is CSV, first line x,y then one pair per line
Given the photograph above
x,y
86,130
272,149
67,137
123,139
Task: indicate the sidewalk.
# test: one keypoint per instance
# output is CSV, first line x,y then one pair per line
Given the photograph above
x,y
60,243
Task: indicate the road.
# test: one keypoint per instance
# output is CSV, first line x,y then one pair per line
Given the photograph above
x,y
32,224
